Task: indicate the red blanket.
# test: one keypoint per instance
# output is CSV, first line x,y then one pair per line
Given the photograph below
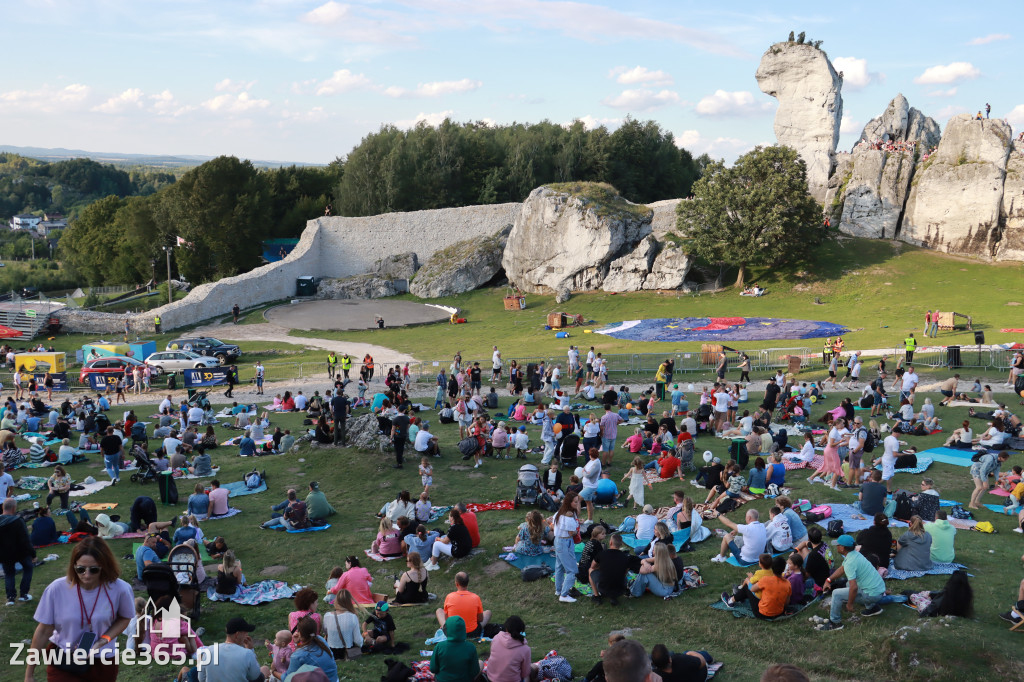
x,y
502,505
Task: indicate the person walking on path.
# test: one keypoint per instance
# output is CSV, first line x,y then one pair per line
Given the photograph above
x,y
235,310
910,343
927,323
230,378
934,330
332,364
260,372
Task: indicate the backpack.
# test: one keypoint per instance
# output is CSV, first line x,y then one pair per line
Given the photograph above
x,y
536,572
727,505
904,506
253,479
869,441
958,512
468,446
834,528
554,667
628,525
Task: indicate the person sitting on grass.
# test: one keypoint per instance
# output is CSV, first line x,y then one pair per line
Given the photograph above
x,y
608,571
455,659
875,542
457,543
769,595
913,548
388,542
746,542
530,536
863,585
764,569
657,574
465,605
732,488
797,578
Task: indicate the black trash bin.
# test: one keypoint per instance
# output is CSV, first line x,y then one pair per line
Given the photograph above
x,y
953,356
305,286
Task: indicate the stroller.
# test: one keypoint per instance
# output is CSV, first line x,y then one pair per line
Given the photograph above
x,y
139,434
528,488
185,562
685,453
146,468
704,418
199,399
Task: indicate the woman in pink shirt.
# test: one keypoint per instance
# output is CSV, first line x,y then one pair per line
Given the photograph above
x,y
356,580
635,443
388,542
520,412
510,654
305,605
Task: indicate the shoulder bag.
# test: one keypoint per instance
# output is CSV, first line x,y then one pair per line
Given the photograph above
x,y
351,652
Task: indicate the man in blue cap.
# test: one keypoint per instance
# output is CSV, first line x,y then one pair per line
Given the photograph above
x,y
863,585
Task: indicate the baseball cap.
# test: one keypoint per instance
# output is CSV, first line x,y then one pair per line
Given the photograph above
x,y
238,625
846,540
382,606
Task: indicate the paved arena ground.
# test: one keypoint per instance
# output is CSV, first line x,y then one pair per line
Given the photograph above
x,y
343,315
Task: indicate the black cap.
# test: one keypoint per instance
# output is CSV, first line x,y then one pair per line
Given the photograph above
x,y
238,625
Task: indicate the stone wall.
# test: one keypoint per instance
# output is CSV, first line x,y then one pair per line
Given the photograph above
x,y
330,247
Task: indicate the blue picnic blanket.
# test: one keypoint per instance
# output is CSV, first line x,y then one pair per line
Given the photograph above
x,y
742,609
679,539
847,513
238,488
922,465
231,512
311,529
736,562
546,559
936,569
955,456
1000,509
257,593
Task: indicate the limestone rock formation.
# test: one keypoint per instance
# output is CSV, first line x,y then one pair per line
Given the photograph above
x,y
629,272
670,268
361,286
902,122
810,109
836,187
875,193
665,217
957,198
364,433
1011,213
566,236
461,267
398,266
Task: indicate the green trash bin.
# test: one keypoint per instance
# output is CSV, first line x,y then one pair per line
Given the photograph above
x,y
165,480
305,286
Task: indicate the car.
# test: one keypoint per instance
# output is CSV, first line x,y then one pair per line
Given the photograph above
x,y
113,365
176,360
209,346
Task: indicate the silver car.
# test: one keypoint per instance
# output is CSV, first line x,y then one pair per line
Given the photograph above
x,y
177,360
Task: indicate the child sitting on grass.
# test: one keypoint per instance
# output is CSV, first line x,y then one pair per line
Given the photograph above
x,y
522,443
764,563
423,507
280,652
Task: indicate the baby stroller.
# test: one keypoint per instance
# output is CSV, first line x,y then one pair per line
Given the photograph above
x,y
199,399
685,454
704,417
527,485
184,561
139,434
146,468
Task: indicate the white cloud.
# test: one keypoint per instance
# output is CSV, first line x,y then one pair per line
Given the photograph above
x,y
590,122
328,13
639,74
132,98
228,85
943,93
314,115
46,99
343,80
990,38
739,103
363,24
435,89
718,147
641,100
432,120
855,72
164,104
1016,115
848,126
949,73
235,104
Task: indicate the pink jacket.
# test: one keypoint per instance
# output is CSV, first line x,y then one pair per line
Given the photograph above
x,y
509,661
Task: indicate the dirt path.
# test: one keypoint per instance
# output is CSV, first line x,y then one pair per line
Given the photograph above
x,y
272,332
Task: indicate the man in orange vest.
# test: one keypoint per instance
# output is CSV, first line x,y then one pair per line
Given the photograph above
x,y
368,366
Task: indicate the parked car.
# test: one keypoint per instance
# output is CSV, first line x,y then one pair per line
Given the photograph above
x,y
205,345
112,365
177,360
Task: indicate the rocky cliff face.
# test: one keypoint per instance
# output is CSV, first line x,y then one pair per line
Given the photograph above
x,y
810,106
878,184
1011,213
956,203
461,267
902,122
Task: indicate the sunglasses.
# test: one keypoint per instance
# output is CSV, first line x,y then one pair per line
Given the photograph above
x,y
92,570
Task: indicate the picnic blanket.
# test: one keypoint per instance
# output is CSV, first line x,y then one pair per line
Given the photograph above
x,y
679,539
652,476
99,506
922,465
944,455
736,562
816,463
311,529
231,512
742,609
1000,492
437,513
377,557
257,593
238,439
853,520
967,403
89,488
238,488
1000,509
936,569
31,483
521,562
25,497
183,475
503,505
200,547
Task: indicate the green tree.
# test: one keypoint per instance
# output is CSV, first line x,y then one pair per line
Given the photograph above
x,y
757,212
90,246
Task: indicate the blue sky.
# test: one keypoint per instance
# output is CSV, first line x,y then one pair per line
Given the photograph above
x,y
299,80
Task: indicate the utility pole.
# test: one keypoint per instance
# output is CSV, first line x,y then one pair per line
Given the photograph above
x,y
170,293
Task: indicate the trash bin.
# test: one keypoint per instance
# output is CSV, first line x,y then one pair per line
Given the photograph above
x,y
953,356
168,489
305,286
172,381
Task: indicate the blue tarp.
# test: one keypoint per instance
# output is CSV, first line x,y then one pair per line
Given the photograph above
x,y
677,329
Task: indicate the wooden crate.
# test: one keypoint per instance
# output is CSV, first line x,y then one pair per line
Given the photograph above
x,y
556,320
515,303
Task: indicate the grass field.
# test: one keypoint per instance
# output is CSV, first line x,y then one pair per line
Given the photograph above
x,y
879,290
358,483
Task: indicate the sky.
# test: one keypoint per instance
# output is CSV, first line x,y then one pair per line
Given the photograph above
x,y
305,81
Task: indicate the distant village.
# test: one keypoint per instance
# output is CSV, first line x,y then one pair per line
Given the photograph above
x,y
42,227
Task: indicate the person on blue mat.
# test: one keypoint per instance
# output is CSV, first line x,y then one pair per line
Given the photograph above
x,y
746,541
863,585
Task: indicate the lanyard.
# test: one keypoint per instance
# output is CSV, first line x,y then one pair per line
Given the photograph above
x,y
86,616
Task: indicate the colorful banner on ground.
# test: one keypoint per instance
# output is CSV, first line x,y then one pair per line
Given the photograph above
x,y
215,376
678,329
60,381
100,382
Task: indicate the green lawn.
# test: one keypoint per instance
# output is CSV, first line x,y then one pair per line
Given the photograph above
x,y
358,483
879,290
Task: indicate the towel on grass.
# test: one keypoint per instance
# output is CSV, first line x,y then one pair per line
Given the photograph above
x,y
1000,492
238,439
521,562
679,539
257,593
965,403
714,668
178,475
31,483
742,609
35,465
437,513
239,488
936,569
378,557
231,512
922,465
99,506
652,476
1000,509
503,505
311,529
736,562
943,455
614,505
816,463
25,497
849,514
89,488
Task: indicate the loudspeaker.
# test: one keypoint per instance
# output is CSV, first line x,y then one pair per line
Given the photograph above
x,y
979,338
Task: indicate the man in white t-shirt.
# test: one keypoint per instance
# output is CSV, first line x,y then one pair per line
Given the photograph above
x,y
166,404
590,364
891,446
556,375
301,402
746,423
910,382
591,476
721,407
6,483
495,365
746,541
195,415
171,443
574,359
